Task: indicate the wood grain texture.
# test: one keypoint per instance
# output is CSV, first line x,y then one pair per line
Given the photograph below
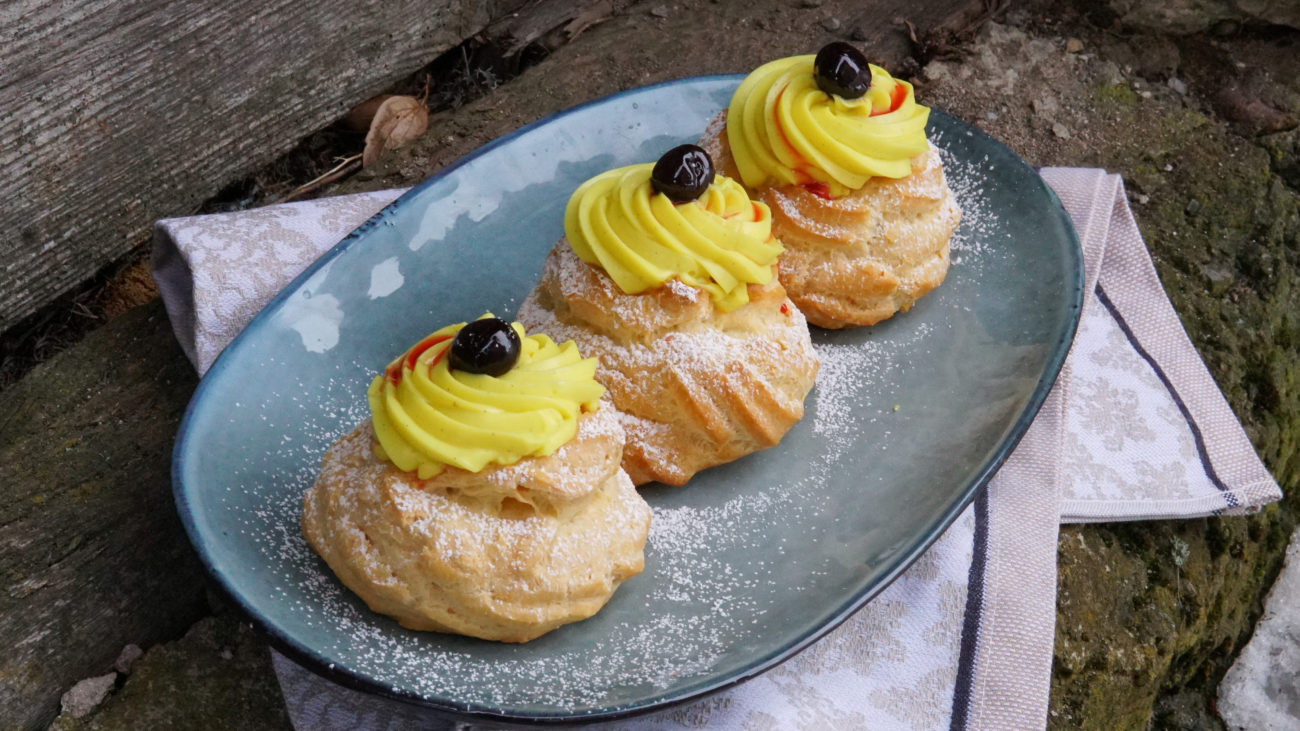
x,y
92,553
114,113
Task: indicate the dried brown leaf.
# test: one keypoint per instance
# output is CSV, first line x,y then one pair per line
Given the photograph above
x,y
398,120
359,119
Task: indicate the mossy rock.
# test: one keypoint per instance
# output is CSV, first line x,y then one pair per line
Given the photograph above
x,y
217,677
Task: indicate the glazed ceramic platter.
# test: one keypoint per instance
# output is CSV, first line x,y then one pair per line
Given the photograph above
x,y
745,566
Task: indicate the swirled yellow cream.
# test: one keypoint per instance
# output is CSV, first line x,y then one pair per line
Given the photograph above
x,y
721,243
784,130
427,415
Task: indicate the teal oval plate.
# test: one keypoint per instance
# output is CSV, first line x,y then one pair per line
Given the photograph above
x,y
745,566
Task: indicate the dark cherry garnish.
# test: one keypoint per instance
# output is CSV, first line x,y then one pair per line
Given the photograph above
x,y
487,346
683,173
842,70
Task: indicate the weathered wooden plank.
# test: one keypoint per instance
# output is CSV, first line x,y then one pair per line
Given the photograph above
x,y
92,554
114,113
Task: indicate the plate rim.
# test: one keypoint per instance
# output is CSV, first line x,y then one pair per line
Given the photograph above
x,y
312,661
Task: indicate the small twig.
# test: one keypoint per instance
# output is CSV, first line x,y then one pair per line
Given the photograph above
x,y
80,309
464,57
911,31
329,176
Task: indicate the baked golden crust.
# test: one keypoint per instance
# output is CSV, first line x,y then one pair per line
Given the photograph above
x,y
508,553
858,259
695,387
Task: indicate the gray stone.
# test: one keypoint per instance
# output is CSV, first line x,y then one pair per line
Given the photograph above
x,y
1220,278
126,659
82,698
1262,690
1046,105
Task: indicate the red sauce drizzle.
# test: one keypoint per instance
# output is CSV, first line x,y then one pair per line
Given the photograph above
x,y
394,371
896,97
441,354
821,190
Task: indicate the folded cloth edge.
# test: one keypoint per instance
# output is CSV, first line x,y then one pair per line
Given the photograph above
x,y
171,273
1127,285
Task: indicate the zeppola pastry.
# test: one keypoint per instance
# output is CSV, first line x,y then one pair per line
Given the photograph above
x,y
484,495
836,147
667,273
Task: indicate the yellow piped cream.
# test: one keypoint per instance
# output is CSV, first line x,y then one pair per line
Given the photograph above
x,y
721,243
784,130
427,415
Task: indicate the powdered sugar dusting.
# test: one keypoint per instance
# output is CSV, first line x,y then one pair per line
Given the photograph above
x,y
683,290
715,575
980,223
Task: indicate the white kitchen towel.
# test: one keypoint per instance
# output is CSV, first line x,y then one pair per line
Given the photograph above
x,y
1134,429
